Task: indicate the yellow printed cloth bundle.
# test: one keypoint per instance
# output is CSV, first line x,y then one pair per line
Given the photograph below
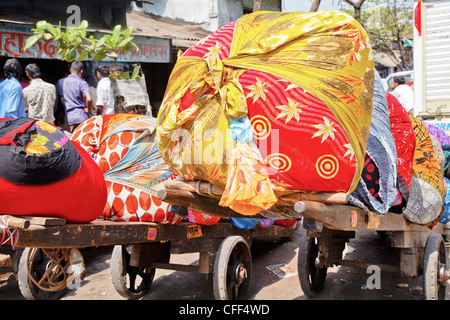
x,y
271,102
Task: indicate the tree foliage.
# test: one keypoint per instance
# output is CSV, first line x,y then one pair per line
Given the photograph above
x,y
356,7
387,23
74,42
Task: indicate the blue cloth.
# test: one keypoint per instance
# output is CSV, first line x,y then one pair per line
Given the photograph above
x,y
445,218
244,223
241,129
61,88
381,149
12,104
74,91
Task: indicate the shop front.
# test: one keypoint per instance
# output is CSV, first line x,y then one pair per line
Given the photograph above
x,y
153,54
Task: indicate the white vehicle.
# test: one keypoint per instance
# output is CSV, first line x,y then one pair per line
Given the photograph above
x,y
432,62
407,75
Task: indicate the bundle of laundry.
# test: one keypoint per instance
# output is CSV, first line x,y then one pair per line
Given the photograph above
x,y
377,189
42,173
445,217
271,102
405,144
428,187
444,140
124,147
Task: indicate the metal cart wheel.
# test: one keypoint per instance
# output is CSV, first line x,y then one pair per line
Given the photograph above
x,y
42,273
232,269
435,274
312,279
129,281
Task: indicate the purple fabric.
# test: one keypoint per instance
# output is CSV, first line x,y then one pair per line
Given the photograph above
x,y
61,88
438,133
74,90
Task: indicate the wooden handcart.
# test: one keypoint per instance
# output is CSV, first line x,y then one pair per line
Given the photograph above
x,y
139,249
329,227
224,251
329,223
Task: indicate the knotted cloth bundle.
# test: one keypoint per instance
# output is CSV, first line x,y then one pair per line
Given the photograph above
x,y
124,147
43,174
272,101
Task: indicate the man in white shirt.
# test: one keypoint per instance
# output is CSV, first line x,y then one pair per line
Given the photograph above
x,y
403,93
105,100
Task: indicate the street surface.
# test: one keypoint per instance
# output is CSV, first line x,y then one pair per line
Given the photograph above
x,y
343,283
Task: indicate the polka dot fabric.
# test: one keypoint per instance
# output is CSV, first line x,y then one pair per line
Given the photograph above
x,y
130,204
109,139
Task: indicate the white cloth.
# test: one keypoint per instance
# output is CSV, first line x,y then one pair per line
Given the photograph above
x,y
104,96
405,96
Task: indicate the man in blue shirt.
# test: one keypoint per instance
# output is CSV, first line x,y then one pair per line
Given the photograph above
x,y
12,104
77,96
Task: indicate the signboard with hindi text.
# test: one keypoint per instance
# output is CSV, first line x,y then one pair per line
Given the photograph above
x,y
14,36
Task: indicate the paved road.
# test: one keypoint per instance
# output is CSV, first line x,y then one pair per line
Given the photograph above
x,y
343,283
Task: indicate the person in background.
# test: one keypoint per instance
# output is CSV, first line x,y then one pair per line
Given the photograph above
x,y
403,93
116,71
39,96
77,96
11,95
93,87
59,110
105,101
24,83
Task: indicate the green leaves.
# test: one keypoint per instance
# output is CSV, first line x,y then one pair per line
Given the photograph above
x,y
126,75
73,43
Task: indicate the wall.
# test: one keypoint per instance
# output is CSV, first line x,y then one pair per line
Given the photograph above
x,y
212,14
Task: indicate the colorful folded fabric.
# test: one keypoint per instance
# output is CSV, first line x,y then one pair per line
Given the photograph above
x,y
124,147
201,218
445,218
443,138
381,155
272,101
426,200
440,134
405,143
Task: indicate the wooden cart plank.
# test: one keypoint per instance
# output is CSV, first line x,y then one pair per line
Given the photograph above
x,y
105,233
349,218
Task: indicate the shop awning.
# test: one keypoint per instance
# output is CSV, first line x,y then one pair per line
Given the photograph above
x,y
182,34
387,60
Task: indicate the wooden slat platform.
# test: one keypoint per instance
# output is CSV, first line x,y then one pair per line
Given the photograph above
x,y
349,218
104,233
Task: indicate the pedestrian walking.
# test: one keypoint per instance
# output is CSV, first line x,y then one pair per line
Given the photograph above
x,y
403,93
105,101
77,96
12,104
59,111
39,96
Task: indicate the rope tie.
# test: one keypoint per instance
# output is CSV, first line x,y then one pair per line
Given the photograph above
x,y
9,236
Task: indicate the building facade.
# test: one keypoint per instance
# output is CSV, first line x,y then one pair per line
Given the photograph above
x,y
210,14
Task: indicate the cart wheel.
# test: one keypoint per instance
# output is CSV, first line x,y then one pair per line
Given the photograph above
x,y
435,271
232,269
130,282
312,279
42,273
